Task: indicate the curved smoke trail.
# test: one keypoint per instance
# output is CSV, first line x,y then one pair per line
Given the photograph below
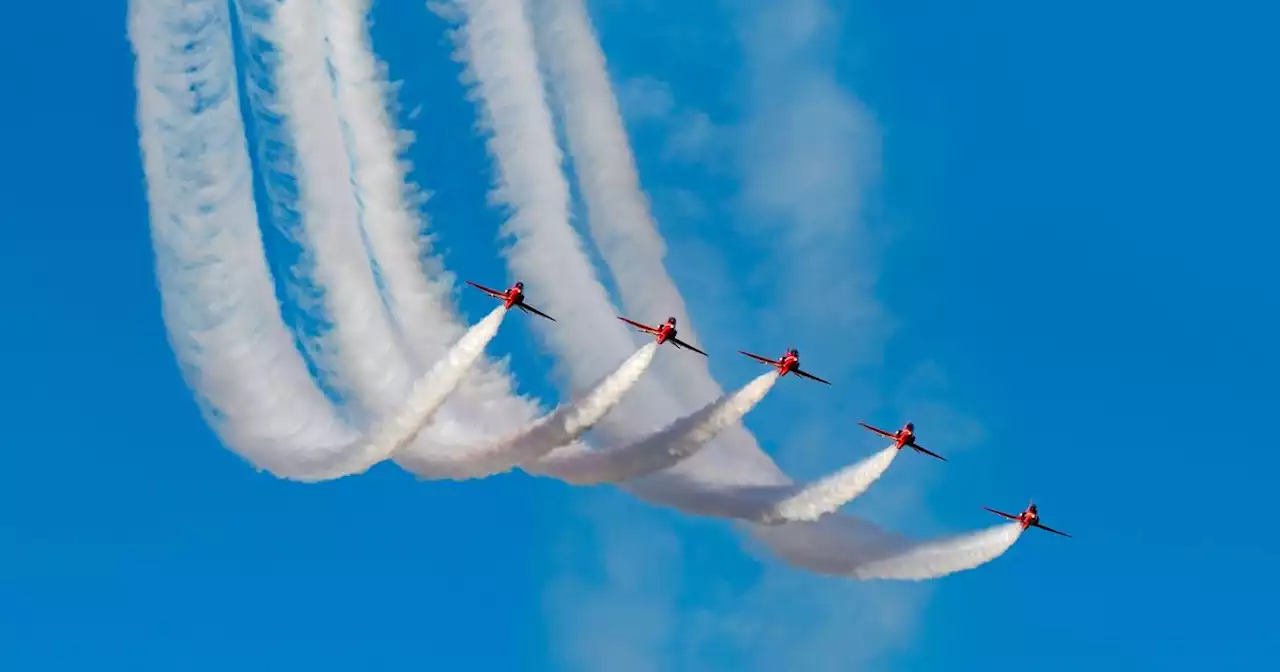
x,y
416,284
558,429
218,297
219,300
414,281
825,495
775,505
496,44
824,547
934,559
671,445
426,397
340,183
361,352
621,226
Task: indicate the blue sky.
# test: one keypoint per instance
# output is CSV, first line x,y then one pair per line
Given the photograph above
x,y
1062,236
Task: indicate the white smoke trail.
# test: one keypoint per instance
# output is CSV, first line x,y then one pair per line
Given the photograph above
x,y
496,44
773,505
424,399
364,352
362,349
617,211
431,390
939,558
622,228
570,422
219,301
273,148
415,283
825,547
660,450
830,545
218,297
558,429
824,496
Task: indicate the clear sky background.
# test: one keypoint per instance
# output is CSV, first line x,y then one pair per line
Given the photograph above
x,y
1044,232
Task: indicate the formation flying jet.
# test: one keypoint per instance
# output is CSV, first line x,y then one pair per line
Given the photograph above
x,y
904,437
663,334
1028,518
512,298
790,363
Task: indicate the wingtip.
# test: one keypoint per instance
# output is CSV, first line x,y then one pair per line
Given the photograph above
x,y
925,452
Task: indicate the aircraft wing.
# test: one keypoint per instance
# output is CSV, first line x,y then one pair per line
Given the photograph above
x,y
681,344
810,376
530,309
766,360
642,327
491,292
1002,513
879,431
926,451
1050,529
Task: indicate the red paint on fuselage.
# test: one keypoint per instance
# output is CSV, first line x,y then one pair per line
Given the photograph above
x,y
789,362
513,296
905,436
666,331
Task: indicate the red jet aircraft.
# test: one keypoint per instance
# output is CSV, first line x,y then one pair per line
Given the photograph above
x,y
1028,518
665,333
904,437
513,297
790,363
